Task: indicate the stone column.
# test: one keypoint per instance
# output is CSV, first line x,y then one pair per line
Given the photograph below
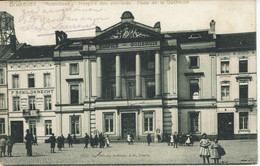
x,y
118,77
138,76
99,77
157,75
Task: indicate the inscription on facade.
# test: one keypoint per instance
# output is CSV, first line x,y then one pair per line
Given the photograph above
x,y
140,44
31,92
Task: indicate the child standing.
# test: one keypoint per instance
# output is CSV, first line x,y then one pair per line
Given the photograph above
x,y
215,151
149,139
171,140
188,140
9,144
204,147
128,139
3,146
107,141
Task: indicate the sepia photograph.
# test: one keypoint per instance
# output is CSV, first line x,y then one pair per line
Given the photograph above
x,y
148,82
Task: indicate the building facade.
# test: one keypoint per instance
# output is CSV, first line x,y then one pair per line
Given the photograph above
x,y
133,78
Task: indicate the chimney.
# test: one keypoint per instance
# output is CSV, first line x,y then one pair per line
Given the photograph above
x,y
212,28
61,37
13,43
157,26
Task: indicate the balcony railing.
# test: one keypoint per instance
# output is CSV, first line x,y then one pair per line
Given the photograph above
x,y
31,113
244,102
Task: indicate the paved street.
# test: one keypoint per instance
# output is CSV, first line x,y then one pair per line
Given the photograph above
x,y
237,152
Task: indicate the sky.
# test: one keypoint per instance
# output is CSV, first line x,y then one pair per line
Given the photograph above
x,y
36,22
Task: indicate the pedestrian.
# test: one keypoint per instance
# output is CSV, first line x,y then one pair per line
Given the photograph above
x,y
53,141
187,142
191,139
59,140
86,140
149,139
96,141
204,148
175,140
103,141
28,142
128,139
182,139
215,151
3,146
100,139
108,141
167,138
62,140
9,144
132,137
171,140
35,140
69,138
91,140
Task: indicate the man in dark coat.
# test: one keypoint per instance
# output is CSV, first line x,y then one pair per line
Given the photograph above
x,y
62,140
96,140
29,142
100,138
53,141
70,140
149,139
132,137
176,140
86,140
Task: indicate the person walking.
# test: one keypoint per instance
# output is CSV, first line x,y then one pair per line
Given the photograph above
x,y
86,140
3,146
28,142
62,140
108,141
59,140
171,140
100,138
149,139
187,142
9,144
215,151
52,141
175,140
70,140
96,141
91,140
204,148
132,137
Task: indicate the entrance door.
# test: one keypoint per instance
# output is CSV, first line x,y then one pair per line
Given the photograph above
x,y
128,124
226,125
17,131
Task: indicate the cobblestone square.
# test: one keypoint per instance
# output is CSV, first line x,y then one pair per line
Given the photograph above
x,y
237,152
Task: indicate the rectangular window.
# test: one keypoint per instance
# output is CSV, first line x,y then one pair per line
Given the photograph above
x,y
74,94
32,103
74,69
148,121
224,92
224,66
243,120
194,122
109,124
16,103
150,90
16,81
2,100
2,76
194,89
48,127
75,125
31,82
194,62
242,65
2,126
47,102
32,127
47,79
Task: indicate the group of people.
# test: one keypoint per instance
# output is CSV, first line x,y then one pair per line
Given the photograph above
x,y
6,143
100,140
216,150
179,139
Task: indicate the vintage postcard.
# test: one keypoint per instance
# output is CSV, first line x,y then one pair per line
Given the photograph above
x,y
170,82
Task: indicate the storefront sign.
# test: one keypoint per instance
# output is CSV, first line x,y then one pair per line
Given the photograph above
x,y
32,92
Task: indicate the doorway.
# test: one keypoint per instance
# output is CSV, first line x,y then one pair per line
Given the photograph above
x,y
226,126
128,121
17,131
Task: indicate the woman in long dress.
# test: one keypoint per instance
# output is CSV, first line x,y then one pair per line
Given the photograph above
x,y
204,148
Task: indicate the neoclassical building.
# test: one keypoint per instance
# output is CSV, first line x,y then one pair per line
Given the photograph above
x,y
133,78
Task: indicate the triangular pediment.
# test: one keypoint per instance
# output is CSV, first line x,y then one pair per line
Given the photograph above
x,y
127,31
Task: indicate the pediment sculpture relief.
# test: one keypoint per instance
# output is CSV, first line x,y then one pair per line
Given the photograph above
x,y
127,33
